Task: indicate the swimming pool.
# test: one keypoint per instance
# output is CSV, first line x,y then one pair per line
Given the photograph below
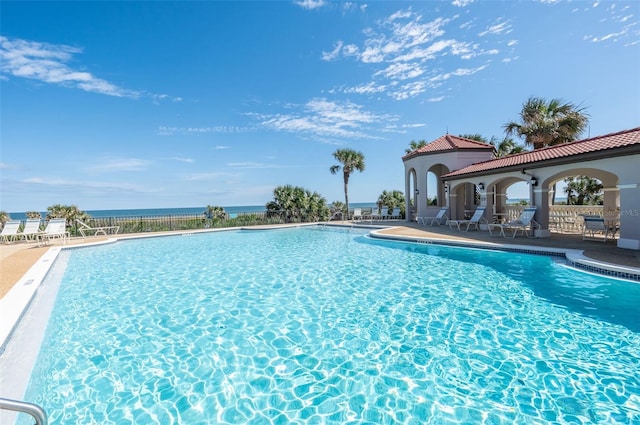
x,y
316,325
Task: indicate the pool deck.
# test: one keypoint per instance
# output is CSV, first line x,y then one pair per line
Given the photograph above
x,y
17,258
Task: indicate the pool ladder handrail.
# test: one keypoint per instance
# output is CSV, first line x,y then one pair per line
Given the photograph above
x,y
34,410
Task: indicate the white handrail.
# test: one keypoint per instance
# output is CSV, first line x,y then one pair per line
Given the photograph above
x,y
34,410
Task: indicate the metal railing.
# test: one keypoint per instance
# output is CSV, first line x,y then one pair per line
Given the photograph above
x,y
34,410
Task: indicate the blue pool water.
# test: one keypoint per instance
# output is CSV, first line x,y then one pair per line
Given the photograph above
x,y
314,326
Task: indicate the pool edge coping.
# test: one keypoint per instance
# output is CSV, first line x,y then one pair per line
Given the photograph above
x,y
574,257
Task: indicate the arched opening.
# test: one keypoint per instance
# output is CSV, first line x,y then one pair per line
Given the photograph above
x,y
581,192
435,196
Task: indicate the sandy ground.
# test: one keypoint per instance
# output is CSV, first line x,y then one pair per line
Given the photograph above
x,y
17,258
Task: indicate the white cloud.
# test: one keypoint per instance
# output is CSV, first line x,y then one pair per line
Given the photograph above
x,y
401,71
368,88
399,47
209,176
409,90
171,131
48,63
310,4
321,118
499,28
120,164
461,3
87,185
332,55
181,159
255,165
458,73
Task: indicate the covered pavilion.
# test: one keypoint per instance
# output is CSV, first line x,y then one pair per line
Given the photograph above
x,y
467,175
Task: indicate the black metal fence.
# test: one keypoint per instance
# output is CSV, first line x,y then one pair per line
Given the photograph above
x,y
163,223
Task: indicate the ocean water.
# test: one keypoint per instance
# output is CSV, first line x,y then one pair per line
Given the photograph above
x,y
150,212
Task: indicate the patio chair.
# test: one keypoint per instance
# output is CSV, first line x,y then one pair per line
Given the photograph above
x,y
394,215
56,229
478,216
357,214
104,230
374,215
10,231
525,223
31,229
595,225
440,218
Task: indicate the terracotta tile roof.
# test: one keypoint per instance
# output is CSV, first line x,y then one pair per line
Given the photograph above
x,y
617,140
448,142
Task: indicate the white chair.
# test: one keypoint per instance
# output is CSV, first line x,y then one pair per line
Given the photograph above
x,y
394,215
10,231
595,225
31,229
439,218
525,224
357,214
56,229
374,215
104,230
473,221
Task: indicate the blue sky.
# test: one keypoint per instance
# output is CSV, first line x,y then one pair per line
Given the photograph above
x,y
110,105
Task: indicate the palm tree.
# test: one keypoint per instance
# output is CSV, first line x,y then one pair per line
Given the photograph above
x,y
215,213
549,123
296,203
506,147
583,190
413,145
68,212
4,217
350,161
392,199
477,137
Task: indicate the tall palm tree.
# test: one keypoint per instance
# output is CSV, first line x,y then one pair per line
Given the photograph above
x,y
549,123
350,161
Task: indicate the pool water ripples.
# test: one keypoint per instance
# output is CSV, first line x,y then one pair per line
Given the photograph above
x,y
309,326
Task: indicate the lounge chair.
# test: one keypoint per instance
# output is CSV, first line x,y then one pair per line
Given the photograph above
x,y
31,229
56,229
374,215
394,215
473,221
525,224
595,225
10,231
440,218
357,214
104,230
